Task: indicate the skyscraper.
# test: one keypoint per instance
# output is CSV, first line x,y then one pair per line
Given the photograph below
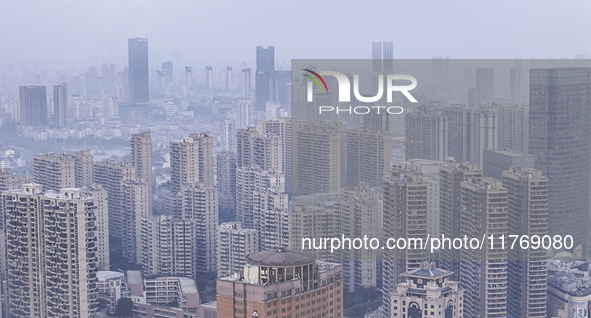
x,y
483,272
528,215
209,77
229,84
245,116
141,158
404,215
264,76
50,253
33,106
485,81
167,68
228,135
246,86
60,104
191,161
226,180
382,56
139,86
559,130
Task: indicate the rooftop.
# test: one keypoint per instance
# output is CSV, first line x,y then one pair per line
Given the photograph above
x,y
280,257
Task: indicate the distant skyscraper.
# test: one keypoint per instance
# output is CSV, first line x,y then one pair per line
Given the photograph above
x,y
139,86
188,80
167,68
245,115
513,128
209,77
229,84
264,76
559,130
382,56
228,135
367,156
60,104
485,81
33,106
51,250
246,86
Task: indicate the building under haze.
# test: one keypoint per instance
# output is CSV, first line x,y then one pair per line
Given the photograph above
x,y
264,76
60,105
68,170
559,130
33,106
139,85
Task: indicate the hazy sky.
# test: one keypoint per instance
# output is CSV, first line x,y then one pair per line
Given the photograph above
x,y
227,31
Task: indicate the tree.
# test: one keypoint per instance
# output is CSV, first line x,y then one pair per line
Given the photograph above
x,y
124,307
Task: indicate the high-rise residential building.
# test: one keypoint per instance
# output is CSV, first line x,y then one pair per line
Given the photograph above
x,y
404,215
168,74
451,176
33,106
559,131
483,272
228,135
168,246
513,127
272,218
60,104
484,132
245,116
458,133
9,180
528,215
50,256
199,203
234,244
266,152
317,157
330,215
139,85
100,197
282,128
429,169
110,174
191,160
68,170
226,180
264,76
426,134
141,159
246,86
367,156
133,207
515,81
498,160
279,283
485,81
249,181
427,291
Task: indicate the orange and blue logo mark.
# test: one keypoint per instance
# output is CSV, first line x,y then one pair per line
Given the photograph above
x,y
316,80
